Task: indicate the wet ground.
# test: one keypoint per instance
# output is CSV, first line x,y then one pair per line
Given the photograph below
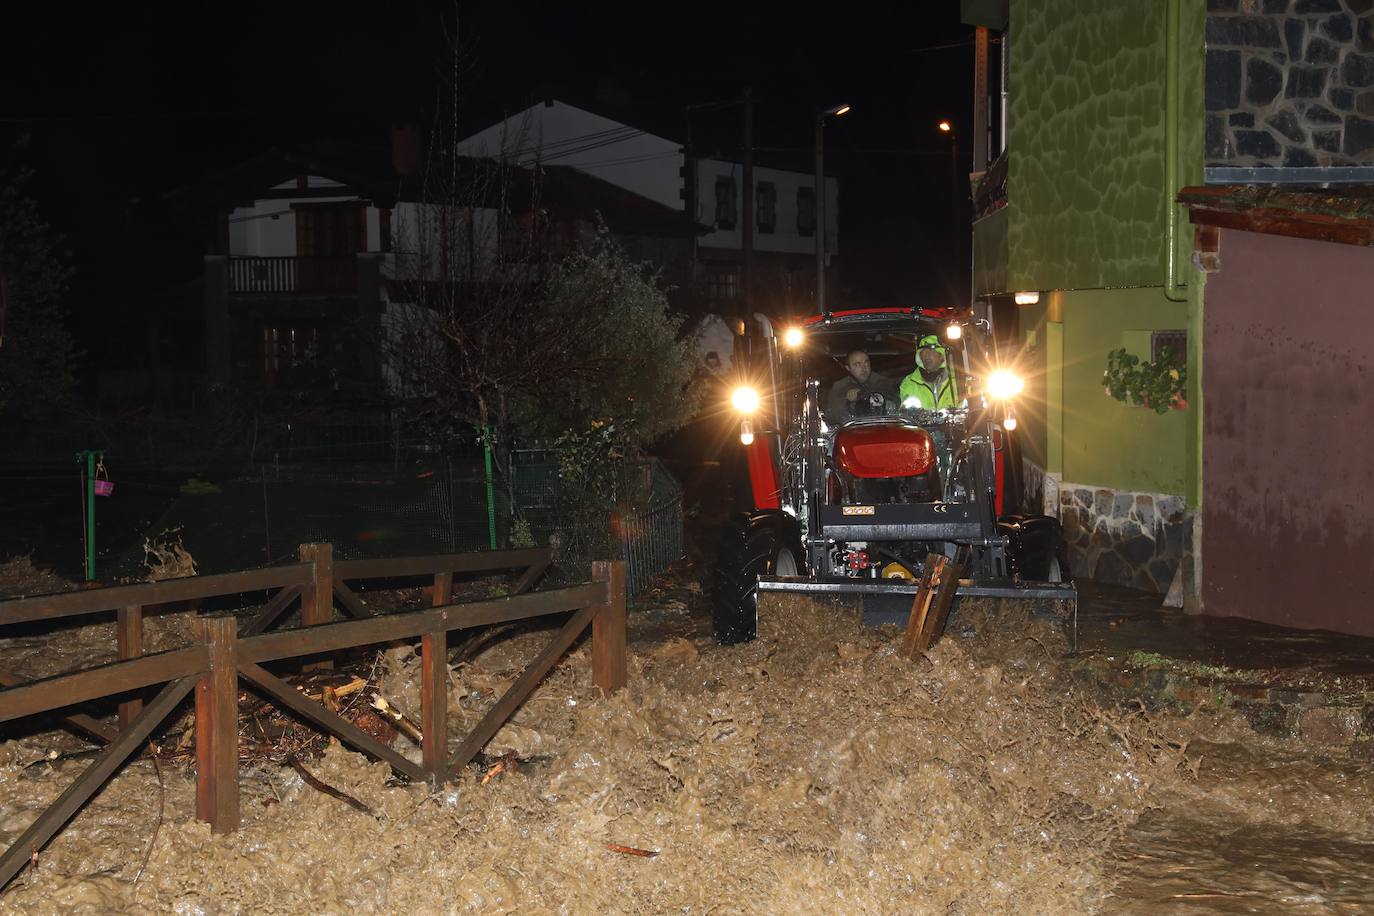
x,y
1116,620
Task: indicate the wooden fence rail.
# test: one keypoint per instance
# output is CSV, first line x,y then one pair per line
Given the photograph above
x,y
226,649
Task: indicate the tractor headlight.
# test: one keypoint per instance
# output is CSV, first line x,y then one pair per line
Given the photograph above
x,y
745,399
792,338
953,331
1004,385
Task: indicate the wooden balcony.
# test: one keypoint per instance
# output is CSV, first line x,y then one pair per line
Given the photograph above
x,y
256,276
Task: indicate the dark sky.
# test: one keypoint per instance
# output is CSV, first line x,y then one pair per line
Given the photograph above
x,y
113,104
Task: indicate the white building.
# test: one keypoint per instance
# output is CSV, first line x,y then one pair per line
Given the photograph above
x,y
556,133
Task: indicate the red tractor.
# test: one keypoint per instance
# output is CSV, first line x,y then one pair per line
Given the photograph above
x,y
853,490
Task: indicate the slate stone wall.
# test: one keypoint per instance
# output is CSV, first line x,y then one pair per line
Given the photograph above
x,y
1289,83
1135,539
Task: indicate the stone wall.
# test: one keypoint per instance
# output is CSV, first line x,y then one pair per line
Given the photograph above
x,y
1290,83
1135,539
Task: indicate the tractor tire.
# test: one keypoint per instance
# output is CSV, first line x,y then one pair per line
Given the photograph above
x,y
763,544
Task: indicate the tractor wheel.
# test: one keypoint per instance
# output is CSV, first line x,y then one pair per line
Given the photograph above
x,y
753,546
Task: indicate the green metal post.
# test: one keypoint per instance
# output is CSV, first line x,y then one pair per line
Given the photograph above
x,y
491,491
90,512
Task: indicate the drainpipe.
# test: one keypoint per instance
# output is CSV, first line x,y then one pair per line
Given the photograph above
x,y
1174,289
1002,109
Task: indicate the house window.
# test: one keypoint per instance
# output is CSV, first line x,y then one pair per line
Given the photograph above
x,y
1176,341
767,207
806,211
726,202
290,355
721,284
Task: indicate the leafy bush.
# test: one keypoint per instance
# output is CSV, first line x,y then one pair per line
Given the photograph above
x,y
1158,385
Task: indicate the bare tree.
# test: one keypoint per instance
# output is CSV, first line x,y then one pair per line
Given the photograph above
x,y
517,320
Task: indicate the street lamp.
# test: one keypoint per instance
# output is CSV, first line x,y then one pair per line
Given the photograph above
x,y
946,127
834,111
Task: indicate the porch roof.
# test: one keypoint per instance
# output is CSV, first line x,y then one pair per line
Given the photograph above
x,y
1339,213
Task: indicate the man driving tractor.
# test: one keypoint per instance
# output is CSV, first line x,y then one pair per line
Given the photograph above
x,y
853,394
932,385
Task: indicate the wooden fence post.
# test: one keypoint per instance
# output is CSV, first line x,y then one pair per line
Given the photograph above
x,y
217,726
434,705
129,635
317,601
608,627
443,589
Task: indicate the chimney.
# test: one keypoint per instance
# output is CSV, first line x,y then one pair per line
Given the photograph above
x,y
405,149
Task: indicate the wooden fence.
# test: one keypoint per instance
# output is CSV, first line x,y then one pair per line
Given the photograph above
x,y
225,649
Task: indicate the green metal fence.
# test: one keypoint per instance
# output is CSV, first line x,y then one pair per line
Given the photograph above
x,y
646,523
417,502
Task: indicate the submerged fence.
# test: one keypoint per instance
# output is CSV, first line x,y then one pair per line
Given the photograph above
x,y
226,649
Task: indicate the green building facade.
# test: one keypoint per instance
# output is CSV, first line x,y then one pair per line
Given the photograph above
x,y
1085,221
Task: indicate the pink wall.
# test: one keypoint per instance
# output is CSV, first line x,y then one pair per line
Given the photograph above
x,y
1288,433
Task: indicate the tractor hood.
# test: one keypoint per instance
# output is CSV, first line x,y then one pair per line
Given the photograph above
x,y
880,450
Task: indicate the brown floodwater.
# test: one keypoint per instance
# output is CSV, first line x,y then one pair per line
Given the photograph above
x,y
1266,827
812,770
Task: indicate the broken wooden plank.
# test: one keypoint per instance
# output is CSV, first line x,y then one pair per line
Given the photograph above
x,y
945,590
931,572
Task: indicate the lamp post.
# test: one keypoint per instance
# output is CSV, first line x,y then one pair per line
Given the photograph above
x,y
834,111
947,128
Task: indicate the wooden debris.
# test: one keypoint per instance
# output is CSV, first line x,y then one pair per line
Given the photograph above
x,y
327,789
632,850
931,572
506,763
341,691
398,719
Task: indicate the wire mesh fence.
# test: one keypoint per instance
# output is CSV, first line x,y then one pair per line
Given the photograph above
x,y
419,501
644,523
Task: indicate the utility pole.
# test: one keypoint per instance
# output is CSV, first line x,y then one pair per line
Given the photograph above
x,y
820,214
747,279
834,111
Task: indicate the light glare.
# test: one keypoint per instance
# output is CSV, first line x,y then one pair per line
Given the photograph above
x,y
745,399
1004,384
792,337
954,332
1028,297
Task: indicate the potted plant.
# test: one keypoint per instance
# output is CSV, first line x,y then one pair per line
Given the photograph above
x,y
1160,385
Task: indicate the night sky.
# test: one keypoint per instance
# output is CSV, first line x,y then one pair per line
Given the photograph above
x,y
113,106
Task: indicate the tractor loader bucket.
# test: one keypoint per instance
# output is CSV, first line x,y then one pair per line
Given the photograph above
x,y
889,601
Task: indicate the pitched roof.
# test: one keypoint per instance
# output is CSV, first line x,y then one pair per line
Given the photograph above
x,y
368,172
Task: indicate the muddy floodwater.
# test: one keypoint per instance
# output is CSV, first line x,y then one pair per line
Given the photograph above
x,y
1266,827
814,770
